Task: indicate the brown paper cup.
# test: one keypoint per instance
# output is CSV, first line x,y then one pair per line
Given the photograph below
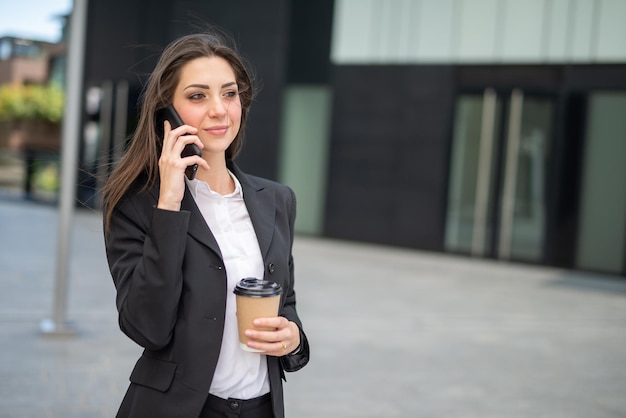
x,y
255,299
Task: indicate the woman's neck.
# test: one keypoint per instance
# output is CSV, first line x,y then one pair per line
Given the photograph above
x,y
218,178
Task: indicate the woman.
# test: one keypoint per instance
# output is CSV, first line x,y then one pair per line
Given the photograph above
x,y
177,247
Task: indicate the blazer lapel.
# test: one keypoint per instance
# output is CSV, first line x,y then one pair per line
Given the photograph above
x,y
198,227
260,202
261,205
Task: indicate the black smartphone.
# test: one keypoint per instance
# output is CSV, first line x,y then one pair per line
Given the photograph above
x,y
169,113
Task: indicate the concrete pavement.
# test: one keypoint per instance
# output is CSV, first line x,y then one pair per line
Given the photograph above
x,y
394,332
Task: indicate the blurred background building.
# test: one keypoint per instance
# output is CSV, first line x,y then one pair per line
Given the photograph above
x,y
26,61
32,75
488,128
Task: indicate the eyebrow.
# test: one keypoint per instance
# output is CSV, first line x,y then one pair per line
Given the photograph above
x,y
206,86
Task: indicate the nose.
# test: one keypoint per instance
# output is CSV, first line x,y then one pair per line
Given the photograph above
x,y
217,108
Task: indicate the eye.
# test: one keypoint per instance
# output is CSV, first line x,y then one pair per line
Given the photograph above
x,y
196,96
231,94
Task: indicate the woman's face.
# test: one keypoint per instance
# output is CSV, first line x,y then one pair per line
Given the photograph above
x,y
207,98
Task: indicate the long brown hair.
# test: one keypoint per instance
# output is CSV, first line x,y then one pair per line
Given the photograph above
x,y
142,156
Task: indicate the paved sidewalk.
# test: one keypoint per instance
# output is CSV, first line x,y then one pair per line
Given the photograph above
x,y
394,333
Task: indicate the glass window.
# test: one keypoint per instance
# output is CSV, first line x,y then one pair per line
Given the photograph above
x,y
602,222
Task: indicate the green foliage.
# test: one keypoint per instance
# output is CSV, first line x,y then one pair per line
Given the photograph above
x,y
31,102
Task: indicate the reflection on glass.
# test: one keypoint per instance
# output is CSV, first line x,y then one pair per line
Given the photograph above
x,y
602,224
472,174
472,194
529,209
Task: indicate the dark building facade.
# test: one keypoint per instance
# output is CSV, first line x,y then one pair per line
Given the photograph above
x,y
123,49
422,124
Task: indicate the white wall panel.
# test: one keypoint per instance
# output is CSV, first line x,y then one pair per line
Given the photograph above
x,y
393,20
521,30
352,31
476,37
437,29
478,31
611,32
557,26
383,31
581,23
408,22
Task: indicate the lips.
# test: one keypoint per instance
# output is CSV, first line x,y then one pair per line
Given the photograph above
x,y
217,130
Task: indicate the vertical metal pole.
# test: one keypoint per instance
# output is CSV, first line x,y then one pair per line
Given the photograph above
x,y
69,165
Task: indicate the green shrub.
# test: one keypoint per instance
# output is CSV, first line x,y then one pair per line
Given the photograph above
x,y
31,102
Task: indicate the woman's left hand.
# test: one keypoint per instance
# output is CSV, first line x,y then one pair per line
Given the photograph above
x,y
283,340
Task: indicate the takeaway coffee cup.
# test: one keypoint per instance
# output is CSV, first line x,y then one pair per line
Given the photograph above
x,y
255,299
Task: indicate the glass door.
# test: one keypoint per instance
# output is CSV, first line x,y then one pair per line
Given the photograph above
x,y
472,179
496,193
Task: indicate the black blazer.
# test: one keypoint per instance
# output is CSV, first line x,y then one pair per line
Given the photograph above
x,y
171,293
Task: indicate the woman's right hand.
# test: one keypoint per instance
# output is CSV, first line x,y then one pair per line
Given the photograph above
x,y
172,166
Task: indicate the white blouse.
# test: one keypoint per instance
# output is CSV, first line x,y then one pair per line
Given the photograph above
x,y
239,374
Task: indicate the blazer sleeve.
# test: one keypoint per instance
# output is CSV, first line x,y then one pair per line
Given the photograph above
x,y
293,362
145,248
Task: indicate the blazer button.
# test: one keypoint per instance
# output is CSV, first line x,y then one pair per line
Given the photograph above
x,y
271,268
